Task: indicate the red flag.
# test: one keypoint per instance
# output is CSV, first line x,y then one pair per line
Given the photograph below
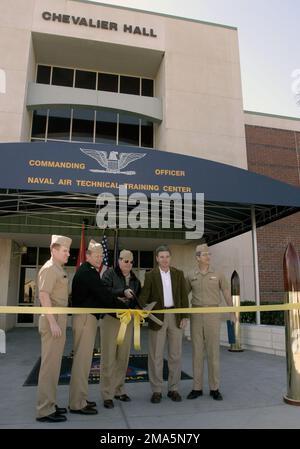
x,y
81,255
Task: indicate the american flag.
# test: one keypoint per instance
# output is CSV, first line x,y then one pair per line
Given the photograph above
x,y
104,265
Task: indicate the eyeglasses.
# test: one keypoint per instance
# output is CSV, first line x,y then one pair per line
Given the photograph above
x,y
127,261
203,254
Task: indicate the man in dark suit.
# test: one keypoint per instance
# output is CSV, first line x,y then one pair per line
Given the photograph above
x,y
165,285
88,290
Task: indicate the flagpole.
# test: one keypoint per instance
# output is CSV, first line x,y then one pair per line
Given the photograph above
x,y
116,248
81,254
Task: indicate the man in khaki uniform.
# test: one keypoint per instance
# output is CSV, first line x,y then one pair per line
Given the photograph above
x,y
53,292
206,284
88,290
165,285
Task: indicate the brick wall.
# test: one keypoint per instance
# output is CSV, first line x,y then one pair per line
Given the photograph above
x,y
274,153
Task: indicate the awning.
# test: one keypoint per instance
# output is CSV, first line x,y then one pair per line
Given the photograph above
x,y
65,178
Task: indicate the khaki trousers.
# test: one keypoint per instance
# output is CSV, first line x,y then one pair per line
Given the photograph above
x,y
84,334
157,340
205,334
114,358
51,355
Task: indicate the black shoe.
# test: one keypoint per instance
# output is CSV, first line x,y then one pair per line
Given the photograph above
x,y
60,410
175,396
108,403
85,411
123,397
194,394
155,398
53,417
90,404
216,395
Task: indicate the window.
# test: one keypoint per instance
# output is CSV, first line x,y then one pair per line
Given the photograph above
x,y
83,125
62,77
147,134
108,82
147,87
146,259
128,130
85,80
88,125
43,74
106,127
39,123
59,124
129,85
29,258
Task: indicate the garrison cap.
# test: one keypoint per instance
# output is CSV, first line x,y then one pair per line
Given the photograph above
x,y
61,240
95,247
202,248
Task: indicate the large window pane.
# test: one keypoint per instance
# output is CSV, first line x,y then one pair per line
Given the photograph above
x,y
107,82
43,74
59,124
27,293
146,259
147,134
83,125
147,87
106,127
62,77
39,121
29,258
44,255
128,130
73,257
130,85
85,80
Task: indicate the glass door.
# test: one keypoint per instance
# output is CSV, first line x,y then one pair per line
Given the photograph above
x,y
27,295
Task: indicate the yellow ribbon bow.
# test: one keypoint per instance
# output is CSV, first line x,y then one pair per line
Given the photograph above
x,y
138,319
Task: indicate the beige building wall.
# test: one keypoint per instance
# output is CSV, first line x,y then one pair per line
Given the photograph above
x,y
196,70
15,37
9,269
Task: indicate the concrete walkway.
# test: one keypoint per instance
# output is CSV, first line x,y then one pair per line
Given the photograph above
x,y
252,385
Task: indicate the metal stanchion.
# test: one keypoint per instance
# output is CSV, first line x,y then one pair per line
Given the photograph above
x,y
235,294
291,274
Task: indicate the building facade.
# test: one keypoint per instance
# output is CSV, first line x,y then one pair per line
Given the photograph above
x,y
82,72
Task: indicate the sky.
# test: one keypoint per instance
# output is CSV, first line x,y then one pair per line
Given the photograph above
x,y
269,44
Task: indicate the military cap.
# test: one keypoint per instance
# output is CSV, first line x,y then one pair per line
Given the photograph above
x,y
202,248
61,240
95,247
126,255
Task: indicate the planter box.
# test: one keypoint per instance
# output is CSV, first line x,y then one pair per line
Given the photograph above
x,y
261,338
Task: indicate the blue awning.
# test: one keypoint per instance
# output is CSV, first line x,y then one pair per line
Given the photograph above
x,y
36,176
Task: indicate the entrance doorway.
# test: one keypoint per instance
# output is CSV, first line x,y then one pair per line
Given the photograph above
x,y
35,258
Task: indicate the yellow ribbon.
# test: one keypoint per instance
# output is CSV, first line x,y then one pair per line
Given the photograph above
x,y
187,310
125,318
138,319
140,315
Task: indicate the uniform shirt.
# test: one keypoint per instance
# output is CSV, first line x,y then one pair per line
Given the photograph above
x,y
167,288
206,287
53,280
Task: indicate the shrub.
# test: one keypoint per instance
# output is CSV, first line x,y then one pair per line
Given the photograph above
x,y
274,318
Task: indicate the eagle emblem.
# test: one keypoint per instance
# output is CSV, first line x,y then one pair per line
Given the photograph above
x,y
112,163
